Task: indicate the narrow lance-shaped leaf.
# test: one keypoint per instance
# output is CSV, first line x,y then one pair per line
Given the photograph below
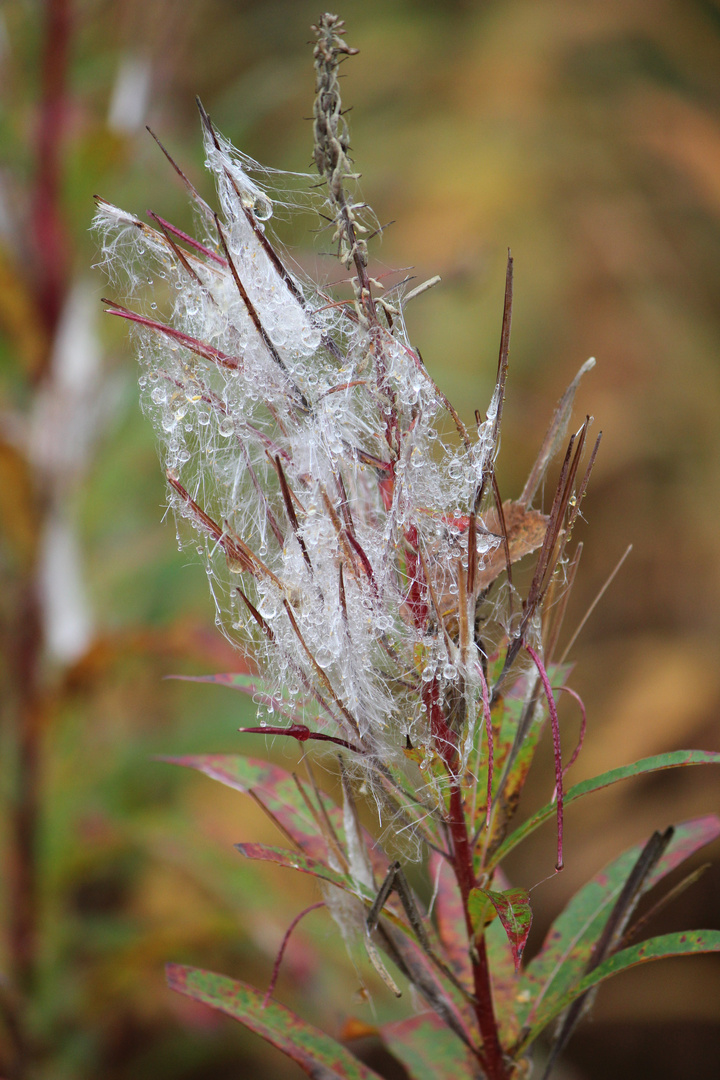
x,y
294,860
688,943
611,934
676,759
569,943
317,1054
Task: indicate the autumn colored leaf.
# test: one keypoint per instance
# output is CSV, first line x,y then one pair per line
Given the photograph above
x,y
525,534
317,1054
428,1049
276,790
296,861
504,979
570,941
512,908
686,943
507,715
676,759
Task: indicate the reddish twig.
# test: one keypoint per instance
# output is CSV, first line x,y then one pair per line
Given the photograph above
x,y
283,946
300,732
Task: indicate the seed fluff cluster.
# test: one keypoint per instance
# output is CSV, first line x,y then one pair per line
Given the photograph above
x,y
351,526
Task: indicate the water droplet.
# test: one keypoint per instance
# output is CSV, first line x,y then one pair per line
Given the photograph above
x,y
262,208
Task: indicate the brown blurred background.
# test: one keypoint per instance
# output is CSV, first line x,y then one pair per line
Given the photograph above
x,y
583,135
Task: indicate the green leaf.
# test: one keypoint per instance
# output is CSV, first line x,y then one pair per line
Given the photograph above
x,y
679,944
513,910
315,1052
276,790
428,1049
570,941
674,760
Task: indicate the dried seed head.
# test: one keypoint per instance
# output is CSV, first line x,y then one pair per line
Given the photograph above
x,y
348,538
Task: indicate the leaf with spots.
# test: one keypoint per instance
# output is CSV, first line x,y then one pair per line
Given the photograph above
x,y
676,759
568,946
278,793
512,907
317,1054
428,1049
691,942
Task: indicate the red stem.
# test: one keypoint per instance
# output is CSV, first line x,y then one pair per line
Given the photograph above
x,y
281,952
493,1061
491,1056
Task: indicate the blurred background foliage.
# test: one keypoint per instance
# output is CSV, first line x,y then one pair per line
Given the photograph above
x,y
583,135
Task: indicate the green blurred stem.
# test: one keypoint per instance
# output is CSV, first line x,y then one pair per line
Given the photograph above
x,y
26,650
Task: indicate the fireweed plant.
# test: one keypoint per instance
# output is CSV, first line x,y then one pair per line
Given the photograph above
x,y
357,546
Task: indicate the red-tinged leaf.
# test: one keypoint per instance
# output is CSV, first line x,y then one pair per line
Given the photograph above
x,y
513,910
674,760
275,789
687,943
450,918
278,792
428,1049
570,941
317,1054
296,861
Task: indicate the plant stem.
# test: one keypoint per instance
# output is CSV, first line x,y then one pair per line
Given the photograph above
x,y
23,891
50,236
30,699
494,1063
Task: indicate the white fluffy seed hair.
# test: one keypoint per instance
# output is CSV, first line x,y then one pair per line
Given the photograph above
x,y
269,404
